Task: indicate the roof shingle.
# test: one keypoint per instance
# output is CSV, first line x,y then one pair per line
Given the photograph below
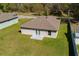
x,y
43,22
6,16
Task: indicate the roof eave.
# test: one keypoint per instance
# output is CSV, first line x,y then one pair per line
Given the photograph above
x,y
8,19
38,29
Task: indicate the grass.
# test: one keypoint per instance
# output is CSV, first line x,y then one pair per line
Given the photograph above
x,y
78,49
13,43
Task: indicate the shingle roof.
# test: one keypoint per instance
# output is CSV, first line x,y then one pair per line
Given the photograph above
x,y
6,16
43,23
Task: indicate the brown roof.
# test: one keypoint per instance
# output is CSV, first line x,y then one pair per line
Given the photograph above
x,y
6,16
43,23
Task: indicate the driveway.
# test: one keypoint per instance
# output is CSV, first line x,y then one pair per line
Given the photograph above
x,y
22,16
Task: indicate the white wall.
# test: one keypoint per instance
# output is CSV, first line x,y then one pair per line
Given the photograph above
x,y
77,34
42,33
28,32
54,34
45,34
77,40
8,23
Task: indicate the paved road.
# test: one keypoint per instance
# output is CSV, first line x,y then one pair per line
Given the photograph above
x,y
21,16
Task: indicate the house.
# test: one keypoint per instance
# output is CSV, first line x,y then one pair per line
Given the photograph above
x,y
77,35
41,26
7,19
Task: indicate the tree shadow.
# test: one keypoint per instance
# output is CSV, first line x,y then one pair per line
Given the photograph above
x,y
70,44
19,31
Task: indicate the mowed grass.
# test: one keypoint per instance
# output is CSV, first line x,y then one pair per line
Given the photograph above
x,y
77,49
13,43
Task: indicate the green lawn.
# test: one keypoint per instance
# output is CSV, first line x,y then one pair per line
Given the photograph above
x,y
12,42
78,49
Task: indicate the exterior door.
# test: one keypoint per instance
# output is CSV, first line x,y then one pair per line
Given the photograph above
x,y
37,32
49,32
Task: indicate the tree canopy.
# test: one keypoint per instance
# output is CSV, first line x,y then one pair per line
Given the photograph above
x,y
60,9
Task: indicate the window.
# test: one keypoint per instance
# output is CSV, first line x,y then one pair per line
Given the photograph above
x,y
49,32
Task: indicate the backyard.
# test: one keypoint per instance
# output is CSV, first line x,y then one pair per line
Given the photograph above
x,y
12,42
78,49
74,28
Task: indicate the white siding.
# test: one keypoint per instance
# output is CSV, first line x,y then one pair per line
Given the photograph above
x,y
28,32
42,33
77,34
45,34
54,34
8,23
77,40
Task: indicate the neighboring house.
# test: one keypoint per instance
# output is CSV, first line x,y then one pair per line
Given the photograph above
x,y
41,26
77,35
7,19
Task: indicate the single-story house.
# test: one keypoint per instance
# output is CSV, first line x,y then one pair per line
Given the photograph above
x,y
41,26
77,35
7,19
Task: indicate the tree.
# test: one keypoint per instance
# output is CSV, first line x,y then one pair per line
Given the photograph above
x,y
38,8
12,7
42,8
46,9
75,9
4,6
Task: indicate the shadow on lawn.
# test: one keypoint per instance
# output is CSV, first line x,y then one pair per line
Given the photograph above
x,y
70,44
19,31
